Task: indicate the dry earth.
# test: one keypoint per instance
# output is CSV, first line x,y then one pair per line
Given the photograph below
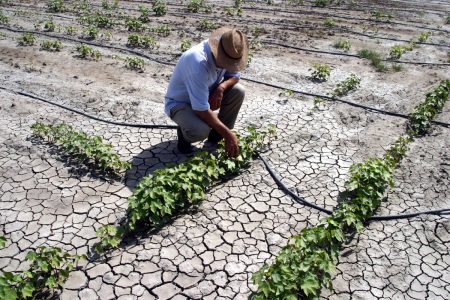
x,y
211,251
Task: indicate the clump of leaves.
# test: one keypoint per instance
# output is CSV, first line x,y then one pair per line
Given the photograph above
x,y
110,237
55,6
378,14
396,51
397,67
159,196
49,269
186,44
145,14
342,44
134,24
321,72
3,19
329,22
423,36
206,25
143,41
347,85
135,63
70,30
321,3
91,33
49,26
107,5
196,6
421,118
159,7
2,241
50,45
374,57
161,30
85,148
27,39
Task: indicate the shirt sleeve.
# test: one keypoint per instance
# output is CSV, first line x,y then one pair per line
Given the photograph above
x,y
232,74
196,81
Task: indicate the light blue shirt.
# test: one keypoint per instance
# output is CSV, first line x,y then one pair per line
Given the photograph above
x,y
194,77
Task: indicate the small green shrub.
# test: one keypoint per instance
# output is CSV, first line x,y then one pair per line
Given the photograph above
x,y
110,5
3,19
91,33
423,36
85,148
134,24
196,6
421,118
162,30
375,59
396,52
145,14
2,241
321,3
347,85
50,45
109,236
143,41
49,26
55,6
49,269
329,22
342,44
321,72
70,30
159,7
135,63
378,14
206,25
27,39
186,44
88,52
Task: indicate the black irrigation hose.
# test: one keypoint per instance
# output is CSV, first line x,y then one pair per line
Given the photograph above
x,y
351,55
272,173
303,201
368,108
87,115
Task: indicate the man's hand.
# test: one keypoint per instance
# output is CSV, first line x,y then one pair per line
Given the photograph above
x,y
215,98
232,145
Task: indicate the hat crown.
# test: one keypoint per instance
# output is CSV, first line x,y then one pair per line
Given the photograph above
x,y
233,43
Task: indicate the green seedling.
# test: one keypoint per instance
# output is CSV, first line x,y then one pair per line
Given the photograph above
x,y
49,270
49,45
206,25
375,59
329,22
145,14
347,85
159,7
91,33
396,52
107,5
342,44
321,72
88,52
70,30
27,39
134,24
142,41
186,44
49,26
423,36
55,6
162,30
135,63
3,19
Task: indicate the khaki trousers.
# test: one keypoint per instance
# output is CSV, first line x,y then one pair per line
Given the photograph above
x,y
195,129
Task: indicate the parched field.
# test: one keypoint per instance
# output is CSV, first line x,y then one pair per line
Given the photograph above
x,y
211,250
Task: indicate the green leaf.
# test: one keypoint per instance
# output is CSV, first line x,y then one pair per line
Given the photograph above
x,y
2,241
27,290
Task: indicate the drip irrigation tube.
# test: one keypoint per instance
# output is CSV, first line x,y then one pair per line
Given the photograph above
x,y
275,177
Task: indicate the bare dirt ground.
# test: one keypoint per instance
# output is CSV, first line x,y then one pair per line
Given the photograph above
x,y
211,251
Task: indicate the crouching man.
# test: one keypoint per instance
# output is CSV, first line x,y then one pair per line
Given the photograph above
x,y
206,79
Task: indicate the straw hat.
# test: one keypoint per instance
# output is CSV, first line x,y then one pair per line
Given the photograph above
x,y
230,48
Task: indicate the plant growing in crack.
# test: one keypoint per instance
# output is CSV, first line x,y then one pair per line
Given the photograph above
x,y
347,85
321,72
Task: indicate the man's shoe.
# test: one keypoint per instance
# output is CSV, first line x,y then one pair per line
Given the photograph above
x,y
183,146
214,137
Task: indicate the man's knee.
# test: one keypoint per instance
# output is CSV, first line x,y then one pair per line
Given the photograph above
x,y
239,90
196,134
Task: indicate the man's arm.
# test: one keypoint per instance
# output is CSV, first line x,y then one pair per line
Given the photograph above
x,y
217,95
231,141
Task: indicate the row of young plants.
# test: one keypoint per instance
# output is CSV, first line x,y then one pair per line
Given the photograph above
x,y
49,270
85,148
306,263
159,196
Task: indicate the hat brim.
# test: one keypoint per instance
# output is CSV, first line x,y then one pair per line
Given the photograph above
x,y
222,59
